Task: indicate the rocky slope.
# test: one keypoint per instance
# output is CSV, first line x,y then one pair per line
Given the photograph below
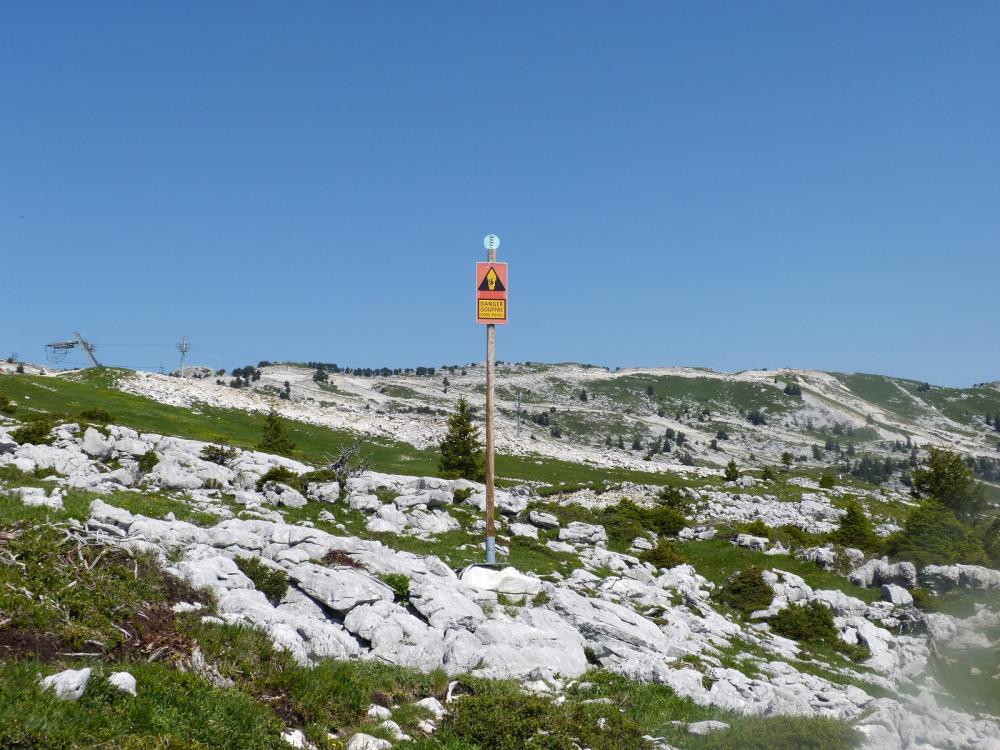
x,y
377,571
868,413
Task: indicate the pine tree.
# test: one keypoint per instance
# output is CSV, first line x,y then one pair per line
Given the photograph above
x,y
461,455
621,442
274,439
732,471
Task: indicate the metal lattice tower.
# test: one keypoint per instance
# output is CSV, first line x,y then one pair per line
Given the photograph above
x,y
184,347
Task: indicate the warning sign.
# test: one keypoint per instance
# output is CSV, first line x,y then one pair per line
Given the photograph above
x,y
491,292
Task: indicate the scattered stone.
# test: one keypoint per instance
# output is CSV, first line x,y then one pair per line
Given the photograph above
x,y
583,533
362,741
543,520
896,595
378,712
702,728
749,541
68,685
123,681
526,530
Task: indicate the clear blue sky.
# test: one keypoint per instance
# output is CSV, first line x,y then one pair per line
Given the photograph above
x,y
732,185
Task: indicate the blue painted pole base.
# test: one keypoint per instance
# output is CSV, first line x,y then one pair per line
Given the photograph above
x,y
491,550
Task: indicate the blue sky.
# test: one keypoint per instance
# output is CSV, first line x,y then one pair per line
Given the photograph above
x,y
731,185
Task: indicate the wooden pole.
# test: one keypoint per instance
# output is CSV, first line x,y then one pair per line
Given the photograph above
x,y
491,532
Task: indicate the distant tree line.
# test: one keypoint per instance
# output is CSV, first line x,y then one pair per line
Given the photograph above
x,y
370,372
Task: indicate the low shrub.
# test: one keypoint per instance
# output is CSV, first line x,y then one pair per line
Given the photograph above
x,y
399,583
540,599
757,528
318,476
97,415
812,623
797,535
508,720
385,495
827,481
461,495
271,582
746,591
148,461
663,555
6,407
674,498
219,454
626,520
37,432
278,474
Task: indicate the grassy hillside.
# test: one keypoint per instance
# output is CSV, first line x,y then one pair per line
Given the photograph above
x,y
66,398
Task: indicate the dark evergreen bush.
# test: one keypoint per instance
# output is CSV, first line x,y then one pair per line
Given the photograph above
x,y
746,591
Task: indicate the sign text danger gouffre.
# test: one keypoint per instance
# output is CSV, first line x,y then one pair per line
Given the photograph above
x,y
491,293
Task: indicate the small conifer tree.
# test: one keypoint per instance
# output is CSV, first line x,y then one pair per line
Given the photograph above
x,y
461,455
855,529
274,439
732,471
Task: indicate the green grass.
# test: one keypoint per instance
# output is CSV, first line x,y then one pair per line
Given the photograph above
x,y
654,707
172,710
883,392
76,503
717,559
966,406
158,506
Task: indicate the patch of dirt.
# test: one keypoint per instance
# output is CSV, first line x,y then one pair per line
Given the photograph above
x,y
153,636
20,643
282,705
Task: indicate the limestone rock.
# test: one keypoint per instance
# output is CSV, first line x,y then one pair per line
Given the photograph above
x,y
340,589
123,681
749,541
526,530
583,533
877,572
896,595
543,520
506,581
277,493
362,741
324,492
67,685
96,445
701,728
